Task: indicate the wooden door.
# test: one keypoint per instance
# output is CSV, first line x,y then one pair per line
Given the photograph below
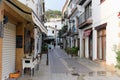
x,y
101,45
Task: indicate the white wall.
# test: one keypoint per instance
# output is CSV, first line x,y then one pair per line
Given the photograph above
x,y
102,13
52,24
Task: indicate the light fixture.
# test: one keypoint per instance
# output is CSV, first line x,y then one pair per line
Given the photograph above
x,y
118,15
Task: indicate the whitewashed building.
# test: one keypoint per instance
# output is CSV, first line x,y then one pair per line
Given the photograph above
x,y
53,26
106,29
38,10
99,28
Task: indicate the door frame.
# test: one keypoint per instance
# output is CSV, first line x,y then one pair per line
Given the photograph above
x,y
102,36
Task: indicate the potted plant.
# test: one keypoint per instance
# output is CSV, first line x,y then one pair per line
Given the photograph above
x,y
118,62
44,48
74,51
68,50
14,75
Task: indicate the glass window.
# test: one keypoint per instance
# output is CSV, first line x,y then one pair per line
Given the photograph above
x,y
88,10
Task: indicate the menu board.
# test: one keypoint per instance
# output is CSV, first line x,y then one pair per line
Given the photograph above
x,y
19,41
1,30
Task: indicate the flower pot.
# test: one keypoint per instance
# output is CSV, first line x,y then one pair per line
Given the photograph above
x,y
14,75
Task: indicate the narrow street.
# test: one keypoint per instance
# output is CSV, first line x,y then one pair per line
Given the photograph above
x,y
59,40
63,67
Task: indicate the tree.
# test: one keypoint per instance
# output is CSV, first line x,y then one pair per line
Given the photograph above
x,y
53,14
62,31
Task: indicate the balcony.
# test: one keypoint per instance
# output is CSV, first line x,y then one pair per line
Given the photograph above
x,y
81,2
74,31
72,11
85,19
65,15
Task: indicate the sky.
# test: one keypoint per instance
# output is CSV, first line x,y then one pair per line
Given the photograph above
x,y
54,4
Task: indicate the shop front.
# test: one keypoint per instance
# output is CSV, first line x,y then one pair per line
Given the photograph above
x,y
101,42
87,43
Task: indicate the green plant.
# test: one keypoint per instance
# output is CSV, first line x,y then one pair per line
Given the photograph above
x,y
74,51
118,59
44,47
68,50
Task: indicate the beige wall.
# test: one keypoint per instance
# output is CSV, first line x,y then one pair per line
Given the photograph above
x,y
20,51
1,8
0,58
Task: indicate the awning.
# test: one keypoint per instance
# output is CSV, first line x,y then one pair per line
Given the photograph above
x,y
87,33
20,8
26,12
37,21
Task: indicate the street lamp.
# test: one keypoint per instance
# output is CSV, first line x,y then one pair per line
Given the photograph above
x,y
56,34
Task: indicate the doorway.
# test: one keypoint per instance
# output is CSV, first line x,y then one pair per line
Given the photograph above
x,y
90,46
101,41
83,48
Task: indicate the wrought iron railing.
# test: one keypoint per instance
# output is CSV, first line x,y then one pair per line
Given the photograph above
x,y
84,16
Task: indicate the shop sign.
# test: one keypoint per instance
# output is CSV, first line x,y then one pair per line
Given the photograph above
x,y
1,29
87,33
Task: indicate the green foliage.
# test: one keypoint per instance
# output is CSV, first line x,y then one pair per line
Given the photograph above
x,y
74,51
68,50
62,31
53,14
118,59
64,28
44,47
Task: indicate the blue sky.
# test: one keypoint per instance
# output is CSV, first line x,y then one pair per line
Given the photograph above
x,y
54,4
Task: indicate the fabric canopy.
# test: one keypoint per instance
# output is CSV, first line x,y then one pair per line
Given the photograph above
x,y
87,33
37,21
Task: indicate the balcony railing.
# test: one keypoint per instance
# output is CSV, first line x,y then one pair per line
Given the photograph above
x,y
84,16
81,2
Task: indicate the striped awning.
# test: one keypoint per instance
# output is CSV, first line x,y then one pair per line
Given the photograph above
x,y
37,21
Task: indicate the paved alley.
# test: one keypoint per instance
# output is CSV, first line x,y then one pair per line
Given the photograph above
x,y
63,67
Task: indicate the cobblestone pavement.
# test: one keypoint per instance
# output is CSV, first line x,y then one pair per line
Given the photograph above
x,y
63,67
56,64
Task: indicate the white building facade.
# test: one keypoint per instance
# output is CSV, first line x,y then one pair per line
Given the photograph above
x,y
38,10
53,26
99,27
106,29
